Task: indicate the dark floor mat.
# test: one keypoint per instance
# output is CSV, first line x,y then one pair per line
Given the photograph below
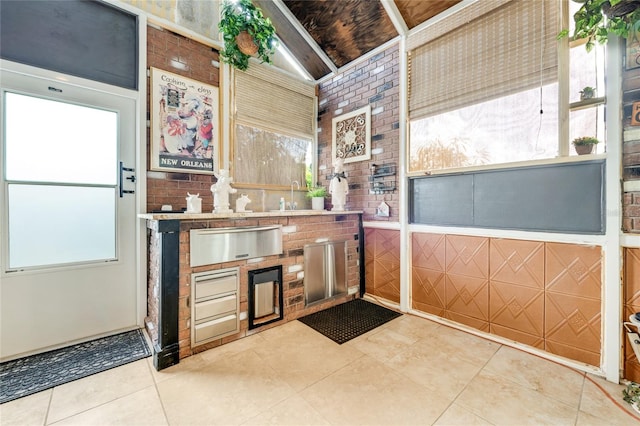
x,y
26,376
344,322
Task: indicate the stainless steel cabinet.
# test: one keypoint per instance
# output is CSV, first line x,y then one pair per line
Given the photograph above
x,y
325,271
215,307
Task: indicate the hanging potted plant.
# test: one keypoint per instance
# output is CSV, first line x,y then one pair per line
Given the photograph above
x,y
246,33
584,144
596,19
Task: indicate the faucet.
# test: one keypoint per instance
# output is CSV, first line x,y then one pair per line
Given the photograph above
x,y
292,204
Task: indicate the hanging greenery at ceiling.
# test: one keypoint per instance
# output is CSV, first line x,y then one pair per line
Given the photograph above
x,y
596,20
246,32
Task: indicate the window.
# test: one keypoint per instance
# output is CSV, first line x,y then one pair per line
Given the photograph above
x,y
274,127
487,91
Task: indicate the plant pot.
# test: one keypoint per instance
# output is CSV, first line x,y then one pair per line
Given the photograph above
x,y
246,44
584,149
317,203
621,9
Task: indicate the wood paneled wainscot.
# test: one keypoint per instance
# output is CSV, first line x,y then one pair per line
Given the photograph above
x,y
543,294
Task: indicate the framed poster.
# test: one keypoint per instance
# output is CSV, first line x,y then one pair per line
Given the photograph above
x,y
185,131
351,135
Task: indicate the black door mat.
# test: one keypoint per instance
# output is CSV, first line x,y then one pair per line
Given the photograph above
x,y
26,376
349,320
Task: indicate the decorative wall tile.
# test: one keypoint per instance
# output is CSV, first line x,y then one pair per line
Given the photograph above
x,y
517,262
571,352
517,307
573,321
517,336
573,269
467,256
382,263
632,276
467,320
428,288
467,296
428,251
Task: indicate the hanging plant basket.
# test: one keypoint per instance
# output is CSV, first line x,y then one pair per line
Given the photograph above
x,y
623,8
246,44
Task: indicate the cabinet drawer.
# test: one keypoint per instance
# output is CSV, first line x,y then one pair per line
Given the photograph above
x,y
216,306
214,286
217,327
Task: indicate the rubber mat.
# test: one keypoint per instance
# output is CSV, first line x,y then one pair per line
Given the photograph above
x,y
344,322
26,376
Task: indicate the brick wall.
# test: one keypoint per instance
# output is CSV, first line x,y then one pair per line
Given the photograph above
x,y
165,50
297,231
373,82
631,152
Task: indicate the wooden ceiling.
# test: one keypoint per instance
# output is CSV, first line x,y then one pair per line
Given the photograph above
x,y
325,35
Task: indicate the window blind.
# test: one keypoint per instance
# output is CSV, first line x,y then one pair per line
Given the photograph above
x,y
509,48
271,99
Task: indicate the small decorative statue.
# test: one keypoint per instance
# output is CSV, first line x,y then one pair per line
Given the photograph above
x,y
194,203
339,187
241,203
221,190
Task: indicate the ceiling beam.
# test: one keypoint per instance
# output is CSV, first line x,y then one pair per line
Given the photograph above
x,y
395,16
307,37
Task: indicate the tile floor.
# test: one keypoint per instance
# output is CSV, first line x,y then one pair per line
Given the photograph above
x,y
409,371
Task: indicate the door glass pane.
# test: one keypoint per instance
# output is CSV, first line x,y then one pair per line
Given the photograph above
x,y
51,141
60,224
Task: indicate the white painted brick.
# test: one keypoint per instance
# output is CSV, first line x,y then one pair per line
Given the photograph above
x,y
632,134
319,130
255,260
377,151
300,275
323,102
337,78
322,240
322,167
338,111
377,110
289,229
631,186
294,268
343,104
378,70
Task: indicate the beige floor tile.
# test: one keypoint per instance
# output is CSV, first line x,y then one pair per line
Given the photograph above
x,y
459,416
382,344
140,408
439,369
601,404
304,356
413,327
30,410
293,411
229,391
194,362
586,419
90,392
538,374
235,347
503,402
366,392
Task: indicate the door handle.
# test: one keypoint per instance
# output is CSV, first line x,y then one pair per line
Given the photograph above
x,y
132,178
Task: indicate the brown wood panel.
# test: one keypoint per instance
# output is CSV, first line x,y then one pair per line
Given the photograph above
x,y
293,41
344,29
415,12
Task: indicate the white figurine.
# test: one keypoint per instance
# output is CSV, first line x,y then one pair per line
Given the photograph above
x,y
194,203
221,190
339,187
241,203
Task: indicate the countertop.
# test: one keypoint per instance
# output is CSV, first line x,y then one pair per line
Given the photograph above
x,y
206,216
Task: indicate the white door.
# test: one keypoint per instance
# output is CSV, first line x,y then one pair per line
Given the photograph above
x,y
68,233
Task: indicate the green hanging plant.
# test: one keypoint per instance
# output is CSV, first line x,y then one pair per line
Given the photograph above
x,y
597,19
246,32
